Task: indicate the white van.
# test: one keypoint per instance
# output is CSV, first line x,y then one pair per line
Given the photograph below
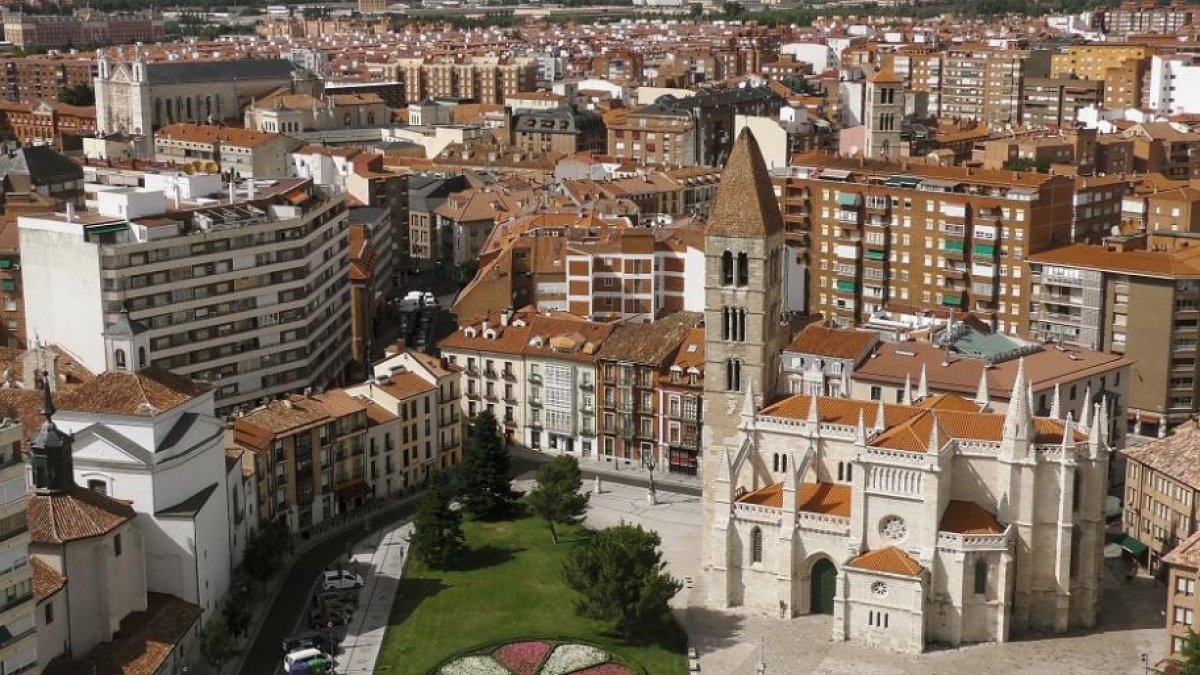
x,y
292,662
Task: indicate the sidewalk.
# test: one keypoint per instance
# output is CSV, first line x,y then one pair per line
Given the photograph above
x,y
616,467
364,635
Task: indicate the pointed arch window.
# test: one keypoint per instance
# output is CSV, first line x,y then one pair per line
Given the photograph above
x,y
981,577
756,548
733,375
743,269
727,268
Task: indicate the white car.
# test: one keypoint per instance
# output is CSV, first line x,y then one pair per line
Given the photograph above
x,y
339,580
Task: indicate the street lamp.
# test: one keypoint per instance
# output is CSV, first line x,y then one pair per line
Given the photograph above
x,y
649,462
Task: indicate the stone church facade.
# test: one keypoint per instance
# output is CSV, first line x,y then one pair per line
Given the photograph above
x,y
935,522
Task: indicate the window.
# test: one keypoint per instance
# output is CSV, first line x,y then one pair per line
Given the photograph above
x,y
1183,616
981,577
733,375
756,545
119,359
876,393
141,357
1185,586
117,545
743,269
49,613
97,485
727,268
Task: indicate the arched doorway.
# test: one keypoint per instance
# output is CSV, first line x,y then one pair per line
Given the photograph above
x,y
823,583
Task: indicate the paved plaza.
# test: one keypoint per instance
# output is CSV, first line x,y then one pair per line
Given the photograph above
x,y
730,644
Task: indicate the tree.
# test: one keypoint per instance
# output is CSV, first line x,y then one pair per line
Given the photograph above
x,y
484,474
81,94
215,642
619,574
556,497
733,11
237,614
437,537
1188,656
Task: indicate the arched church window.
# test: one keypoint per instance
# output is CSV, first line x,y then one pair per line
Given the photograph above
x,y
981,577
119,359
141,357
743,269
727,268
756,545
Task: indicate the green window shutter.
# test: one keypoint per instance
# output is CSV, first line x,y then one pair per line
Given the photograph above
x,y
846,286
952,245
985,249
876,255
955,299
847,199
8,285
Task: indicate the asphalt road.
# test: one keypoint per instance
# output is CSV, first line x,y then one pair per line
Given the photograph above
x,y
264,655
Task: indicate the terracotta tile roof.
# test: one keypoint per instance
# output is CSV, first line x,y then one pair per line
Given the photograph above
x,y
144,641
969,518
566,337
745,203
948,402
46,580
1182,263
73,515
649,343
1177,455
912,435
890,560
771,495
406,385
827,498
1186,554
284,417
509,339
892,362
831,499
377,414
148,392
830,342
207,133
691,352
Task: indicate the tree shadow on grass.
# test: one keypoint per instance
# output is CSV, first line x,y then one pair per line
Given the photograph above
x,y
484,557
410,593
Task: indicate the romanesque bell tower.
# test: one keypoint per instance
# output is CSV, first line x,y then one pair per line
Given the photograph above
x,y
743,258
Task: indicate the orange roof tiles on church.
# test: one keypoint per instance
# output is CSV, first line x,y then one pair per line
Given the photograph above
x,y
831,499
966,517
890,560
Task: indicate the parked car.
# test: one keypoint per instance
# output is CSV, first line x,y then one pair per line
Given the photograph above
x,y
319,618
309,639
340,580
308,662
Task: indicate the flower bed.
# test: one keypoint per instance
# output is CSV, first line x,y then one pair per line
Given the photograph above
x,y
536,657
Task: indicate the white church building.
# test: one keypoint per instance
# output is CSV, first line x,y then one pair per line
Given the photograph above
x,y
934,522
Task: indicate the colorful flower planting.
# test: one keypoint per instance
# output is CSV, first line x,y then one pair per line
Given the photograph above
x,y
535,657
522,658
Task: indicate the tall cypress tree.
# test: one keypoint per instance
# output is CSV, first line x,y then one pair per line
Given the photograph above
x,y
485,472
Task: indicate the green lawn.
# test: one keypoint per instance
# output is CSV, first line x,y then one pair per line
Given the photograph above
x,y
510,587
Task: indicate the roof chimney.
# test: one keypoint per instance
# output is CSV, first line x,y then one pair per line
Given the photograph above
x,y
70,211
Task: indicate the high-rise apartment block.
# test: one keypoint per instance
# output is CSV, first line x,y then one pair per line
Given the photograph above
x,y
898,235
18,643
251,296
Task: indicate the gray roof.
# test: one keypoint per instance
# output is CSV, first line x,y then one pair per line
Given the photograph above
x,y
41,163
117,440
125,327
181,72
365,214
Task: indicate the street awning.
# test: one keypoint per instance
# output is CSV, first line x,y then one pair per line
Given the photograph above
x,y
353,490
109,228
1134,547
876,255
902,181
952,245
848,198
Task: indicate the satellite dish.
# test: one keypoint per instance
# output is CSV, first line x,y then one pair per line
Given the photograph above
x,y
211,167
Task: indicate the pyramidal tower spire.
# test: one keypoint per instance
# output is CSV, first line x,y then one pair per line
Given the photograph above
x,y
745,204
1018,421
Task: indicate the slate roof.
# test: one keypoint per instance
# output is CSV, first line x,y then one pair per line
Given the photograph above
x,y
41,163
182,72
79,513
745,204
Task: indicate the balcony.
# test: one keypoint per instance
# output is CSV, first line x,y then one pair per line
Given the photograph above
x,y
489,372
509,397
587,385
510,375
879,204
848,236
845,270
472,370
491,396
473,395
535,402
535,378
849,217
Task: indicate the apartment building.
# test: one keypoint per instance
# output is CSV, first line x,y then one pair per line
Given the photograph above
x,y
18,642
986,83
1162,490
494,372
1092,296
1182,570
47,122
654,136
250,295
557,132
241,152
560,359
1173,81
921,70
632,365
638,273
820,358
1055,102
416,425
1120,67
681,407
39,77
475,78
45,31
425,195
1145,18
865,231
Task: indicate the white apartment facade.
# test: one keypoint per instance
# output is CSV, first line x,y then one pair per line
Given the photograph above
x,y
638,277
1174,84
251,296
18,647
